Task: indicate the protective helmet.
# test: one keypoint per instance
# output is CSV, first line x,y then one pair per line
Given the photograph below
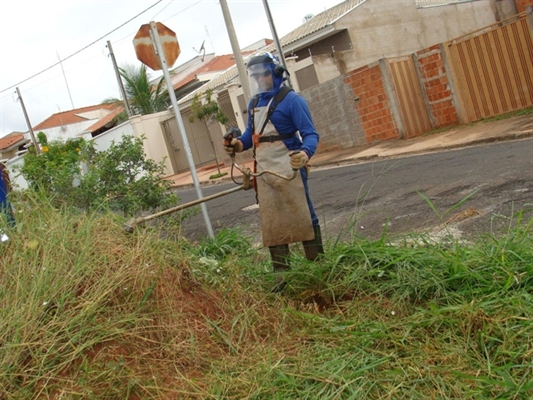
x,y
265,73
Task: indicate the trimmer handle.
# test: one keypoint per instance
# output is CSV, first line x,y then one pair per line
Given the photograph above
x,y
231,134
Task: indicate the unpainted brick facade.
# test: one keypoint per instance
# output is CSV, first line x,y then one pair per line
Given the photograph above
x,y
372,103
522,4
361,107
436,83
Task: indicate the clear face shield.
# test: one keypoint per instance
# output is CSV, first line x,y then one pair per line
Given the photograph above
x,y
261,79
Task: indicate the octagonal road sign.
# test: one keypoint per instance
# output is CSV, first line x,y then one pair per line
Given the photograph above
x,y
145,49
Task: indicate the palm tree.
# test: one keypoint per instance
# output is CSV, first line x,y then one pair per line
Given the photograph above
x,y
143,97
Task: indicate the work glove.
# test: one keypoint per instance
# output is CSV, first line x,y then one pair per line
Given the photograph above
x,y
234,146
299,159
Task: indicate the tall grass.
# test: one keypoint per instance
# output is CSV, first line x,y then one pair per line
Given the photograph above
x,y
89,311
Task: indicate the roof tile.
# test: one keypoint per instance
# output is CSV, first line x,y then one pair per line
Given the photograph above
x,y
9,140
318,22
71,117
105,120
219,63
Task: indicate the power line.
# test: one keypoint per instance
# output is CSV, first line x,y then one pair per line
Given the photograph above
x,y
5,96
166,19
79,51
185,9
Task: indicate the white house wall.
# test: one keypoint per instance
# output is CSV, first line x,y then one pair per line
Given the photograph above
x,y
17,181
65,132
155,146
103,141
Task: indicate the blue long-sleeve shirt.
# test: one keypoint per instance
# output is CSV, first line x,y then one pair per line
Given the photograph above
x,y
291,115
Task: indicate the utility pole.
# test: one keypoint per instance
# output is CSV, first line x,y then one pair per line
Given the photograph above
x,y
66,82
236,51
276,39
34,141
119,79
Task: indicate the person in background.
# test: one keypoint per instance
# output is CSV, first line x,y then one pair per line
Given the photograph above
x,y
5,188
283,137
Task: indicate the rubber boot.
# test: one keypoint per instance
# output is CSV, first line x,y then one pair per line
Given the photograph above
x,y
313,248
279,255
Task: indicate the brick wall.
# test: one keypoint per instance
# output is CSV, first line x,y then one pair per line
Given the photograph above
x,y
436,84
361,108
336,120
372,104
521,4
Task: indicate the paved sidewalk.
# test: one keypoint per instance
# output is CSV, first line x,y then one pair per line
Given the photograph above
x,y
468,135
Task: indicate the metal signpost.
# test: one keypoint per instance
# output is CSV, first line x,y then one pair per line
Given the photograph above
x,y
155,45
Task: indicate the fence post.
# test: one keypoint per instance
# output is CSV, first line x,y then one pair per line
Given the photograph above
x,y
414,58
391,94
450,74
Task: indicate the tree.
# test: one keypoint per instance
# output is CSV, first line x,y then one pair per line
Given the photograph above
x,y
143,97
207,112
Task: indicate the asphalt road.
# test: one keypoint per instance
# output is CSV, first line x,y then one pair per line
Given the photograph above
x,y
364,199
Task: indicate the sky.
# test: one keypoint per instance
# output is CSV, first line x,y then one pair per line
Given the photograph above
x,y
35,35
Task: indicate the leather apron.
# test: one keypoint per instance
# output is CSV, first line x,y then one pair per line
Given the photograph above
x,y
283,209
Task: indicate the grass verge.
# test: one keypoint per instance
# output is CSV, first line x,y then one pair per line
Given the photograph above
x,y
88,311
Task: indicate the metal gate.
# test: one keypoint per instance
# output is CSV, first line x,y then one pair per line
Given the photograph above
x,y
494,70
199,142
410,96
224,103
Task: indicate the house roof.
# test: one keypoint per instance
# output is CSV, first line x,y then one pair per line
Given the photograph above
x,y
319,22
11,139
102,122
71,117
218,63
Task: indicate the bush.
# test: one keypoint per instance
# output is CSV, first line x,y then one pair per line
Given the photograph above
x,y
121,178
55,169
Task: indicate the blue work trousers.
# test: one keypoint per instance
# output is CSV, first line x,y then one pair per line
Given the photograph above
x,y
314,218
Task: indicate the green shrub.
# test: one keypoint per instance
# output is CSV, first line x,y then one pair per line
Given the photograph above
x,y
121,178
55,168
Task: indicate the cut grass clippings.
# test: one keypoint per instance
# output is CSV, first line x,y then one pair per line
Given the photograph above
x,y
216,176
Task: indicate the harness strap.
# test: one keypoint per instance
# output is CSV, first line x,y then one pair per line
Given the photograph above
x,y
278,98
275,138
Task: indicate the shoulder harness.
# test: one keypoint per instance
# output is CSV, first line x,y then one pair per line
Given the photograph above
x,y
278,98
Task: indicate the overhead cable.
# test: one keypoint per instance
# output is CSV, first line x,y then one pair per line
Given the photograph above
x,y
80,50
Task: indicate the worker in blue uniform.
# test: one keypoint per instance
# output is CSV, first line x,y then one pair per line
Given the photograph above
x,y
5,188
283,137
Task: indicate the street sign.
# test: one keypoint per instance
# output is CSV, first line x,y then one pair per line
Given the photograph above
x,y
145,49
154,50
